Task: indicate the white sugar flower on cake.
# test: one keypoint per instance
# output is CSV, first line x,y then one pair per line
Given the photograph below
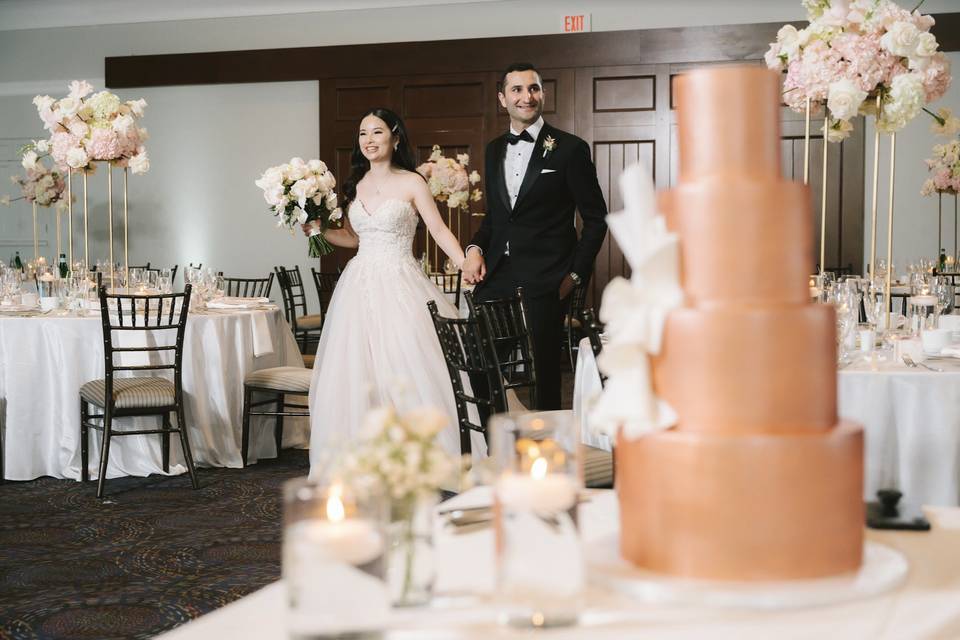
x,y
634,312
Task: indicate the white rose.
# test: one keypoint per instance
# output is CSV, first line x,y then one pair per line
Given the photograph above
x,y
140,163
68,107
330,201
326,181
137,106
900,39
789,39
844,99
42,146
335,215
29,160
926,45
122,124
80,88
317,166
295,169
303,189
77,158
43,102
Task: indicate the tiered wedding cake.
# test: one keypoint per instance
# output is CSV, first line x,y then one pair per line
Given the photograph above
x,y
758,480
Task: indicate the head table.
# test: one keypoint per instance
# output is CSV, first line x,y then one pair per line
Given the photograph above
x,y
925,606
910,415
46,358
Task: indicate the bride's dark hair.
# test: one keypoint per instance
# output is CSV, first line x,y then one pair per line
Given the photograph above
x,y
359,165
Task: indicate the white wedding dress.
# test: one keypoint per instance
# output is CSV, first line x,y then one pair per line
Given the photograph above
x,y
378,344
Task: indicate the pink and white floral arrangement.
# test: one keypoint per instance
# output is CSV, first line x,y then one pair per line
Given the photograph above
x,y
40,184
449,181
299,192
85,128
945,169
854,51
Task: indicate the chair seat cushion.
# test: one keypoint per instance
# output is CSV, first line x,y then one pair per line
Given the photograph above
x,y
131,393
292,379
309,322
597,468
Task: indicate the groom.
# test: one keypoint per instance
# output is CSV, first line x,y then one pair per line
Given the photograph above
x,y
536,177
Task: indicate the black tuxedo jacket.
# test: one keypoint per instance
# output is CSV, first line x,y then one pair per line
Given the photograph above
x,y
541,226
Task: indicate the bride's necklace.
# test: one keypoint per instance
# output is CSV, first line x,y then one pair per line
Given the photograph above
x,y
376,187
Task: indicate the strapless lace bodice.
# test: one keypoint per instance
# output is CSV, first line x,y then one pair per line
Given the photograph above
x,y
385,232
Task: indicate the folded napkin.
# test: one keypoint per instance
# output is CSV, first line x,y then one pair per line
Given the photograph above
x,y
952,351
230,302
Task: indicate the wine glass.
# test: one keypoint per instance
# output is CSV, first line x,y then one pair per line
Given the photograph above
x,y
12,278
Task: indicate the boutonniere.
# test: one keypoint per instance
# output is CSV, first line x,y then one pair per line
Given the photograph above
x,y
549,144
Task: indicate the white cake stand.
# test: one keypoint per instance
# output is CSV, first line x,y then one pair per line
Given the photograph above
x,y
883,569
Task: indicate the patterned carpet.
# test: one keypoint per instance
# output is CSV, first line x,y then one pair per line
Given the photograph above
x,y
152,556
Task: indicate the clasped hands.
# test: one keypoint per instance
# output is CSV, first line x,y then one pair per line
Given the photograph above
x,y
474,266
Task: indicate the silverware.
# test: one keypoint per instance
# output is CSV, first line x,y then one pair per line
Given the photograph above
x,y
910,362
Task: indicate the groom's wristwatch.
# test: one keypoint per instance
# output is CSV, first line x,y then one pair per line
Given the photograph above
x,y
576,278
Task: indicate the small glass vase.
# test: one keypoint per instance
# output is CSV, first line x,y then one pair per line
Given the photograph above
x,y
411,565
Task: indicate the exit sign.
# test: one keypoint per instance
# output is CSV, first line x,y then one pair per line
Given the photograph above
x,y
576,23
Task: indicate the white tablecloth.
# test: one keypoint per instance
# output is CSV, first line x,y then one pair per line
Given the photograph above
x,y
911,420
44,361
926,606
586,386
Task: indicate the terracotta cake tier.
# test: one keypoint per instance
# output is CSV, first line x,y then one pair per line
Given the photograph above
x,y
750,369
751,507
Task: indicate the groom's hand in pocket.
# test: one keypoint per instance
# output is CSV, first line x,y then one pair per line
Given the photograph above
x,y
566,286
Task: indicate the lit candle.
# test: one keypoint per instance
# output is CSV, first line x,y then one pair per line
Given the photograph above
x,y
338,538
334,582
538,486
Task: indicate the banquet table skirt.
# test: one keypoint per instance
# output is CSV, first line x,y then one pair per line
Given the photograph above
x,y
911,421
586,387
44,361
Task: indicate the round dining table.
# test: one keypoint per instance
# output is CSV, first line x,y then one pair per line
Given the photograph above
x,y
46,357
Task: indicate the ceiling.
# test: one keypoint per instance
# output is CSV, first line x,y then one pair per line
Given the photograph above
x,y
42,14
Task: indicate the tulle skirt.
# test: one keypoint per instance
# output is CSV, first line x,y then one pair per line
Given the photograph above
x,y
379,347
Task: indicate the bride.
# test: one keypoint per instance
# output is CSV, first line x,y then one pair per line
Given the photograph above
x,y
378,344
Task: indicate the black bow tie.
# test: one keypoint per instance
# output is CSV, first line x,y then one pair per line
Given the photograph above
x,y
513,138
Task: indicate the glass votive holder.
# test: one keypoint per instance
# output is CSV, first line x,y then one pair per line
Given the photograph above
x,y
540,566
924,313
333,561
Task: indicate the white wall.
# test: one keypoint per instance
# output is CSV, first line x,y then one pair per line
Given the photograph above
x,y
914,216
209,143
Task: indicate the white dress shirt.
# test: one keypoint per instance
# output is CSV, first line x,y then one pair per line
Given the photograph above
x,y
516,159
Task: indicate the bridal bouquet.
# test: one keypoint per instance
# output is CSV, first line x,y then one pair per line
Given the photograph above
x,y
449,181
945,167
300,192
40,185
85,127
854,51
